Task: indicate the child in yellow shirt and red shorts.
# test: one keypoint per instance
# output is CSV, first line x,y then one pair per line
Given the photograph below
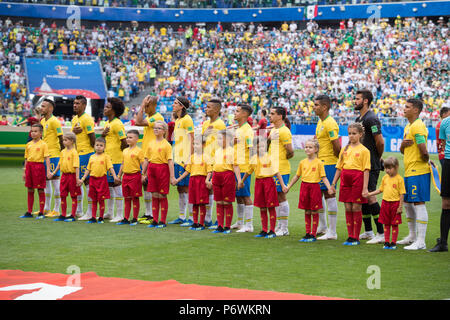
x,y
36,153
224,169
99,164
266,195
353,169
130,173
393,189
311,170
159,168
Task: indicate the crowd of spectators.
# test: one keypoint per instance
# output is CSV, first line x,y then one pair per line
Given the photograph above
x,y
199,3
285,66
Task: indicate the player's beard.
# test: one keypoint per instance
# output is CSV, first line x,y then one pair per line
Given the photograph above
x,y
359,106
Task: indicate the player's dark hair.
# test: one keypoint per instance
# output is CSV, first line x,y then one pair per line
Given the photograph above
x,y
51,102
416,103
246,107
82,99
185,103
217,101
443,111
264,112
323,99
366,94
117,105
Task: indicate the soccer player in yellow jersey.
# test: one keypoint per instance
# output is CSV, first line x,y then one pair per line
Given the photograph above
x,y
114,134
242,143
417,175
281,150
52,136
146,117
209,131
183,148
327,134
83,127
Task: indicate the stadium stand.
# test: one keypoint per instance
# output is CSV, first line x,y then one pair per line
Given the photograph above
x,y
396,59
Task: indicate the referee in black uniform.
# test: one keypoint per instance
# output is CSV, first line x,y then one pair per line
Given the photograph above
x,y
372,140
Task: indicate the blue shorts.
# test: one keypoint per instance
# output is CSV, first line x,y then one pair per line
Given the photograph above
x,y
84,160
330,170
179,170
418,188
285,180
116,167
53,164
245,191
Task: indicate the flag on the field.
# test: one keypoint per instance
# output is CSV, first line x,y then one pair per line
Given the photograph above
x,y
311,12
436,177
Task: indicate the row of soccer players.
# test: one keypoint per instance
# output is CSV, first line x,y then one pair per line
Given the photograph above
x,y
327,149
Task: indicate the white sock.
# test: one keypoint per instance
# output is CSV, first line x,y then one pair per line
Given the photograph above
x,y
422,222
48,195
80,201
240,207
57,205
110,202
248,215
119,201
332,208
190,207
284,215
182,206
277,211
322,216
89,199
148,203
411,219
209,209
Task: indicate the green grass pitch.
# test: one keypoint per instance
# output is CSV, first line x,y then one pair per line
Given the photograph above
x,y
325,268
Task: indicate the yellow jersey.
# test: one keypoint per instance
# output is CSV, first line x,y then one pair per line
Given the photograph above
x,y
327,131
277,151
392,187
113,140
262,167
87,126
354,158
224,160
183,128
311,171
149,134
36,151
69,161
414,165
159,152
198,166
244,135
210,144
99,164
132,159
52,131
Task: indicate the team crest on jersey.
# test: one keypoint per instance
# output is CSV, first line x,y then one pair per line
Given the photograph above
x,y
314,169
356,154
394,186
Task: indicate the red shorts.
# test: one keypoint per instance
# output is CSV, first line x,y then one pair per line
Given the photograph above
x,y
388,213
266,195
351,186
198,192
68,184
158,178
98,188
35,176
310,197
132,185
224,186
